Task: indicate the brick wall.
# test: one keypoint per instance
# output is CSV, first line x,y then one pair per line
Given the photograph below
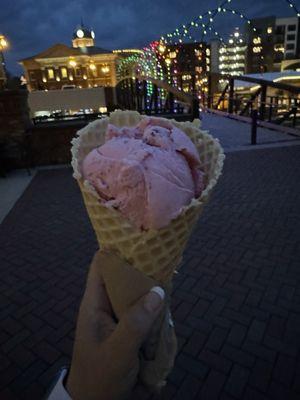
x,y
50,144
14,114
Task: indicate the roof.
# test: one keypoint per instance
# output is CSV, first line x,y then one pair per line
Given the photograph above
x,y
62,50
94,50
268,76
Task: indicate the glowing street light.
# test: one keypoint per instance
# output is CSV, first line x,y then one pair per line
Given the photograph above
x,y
3,43
3,47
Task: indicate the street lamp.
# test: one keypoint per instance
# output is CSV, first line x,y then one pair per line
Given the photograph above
x,y
3,47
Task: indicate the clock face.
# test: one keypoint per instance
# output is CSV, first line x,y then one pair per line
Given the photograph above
x,y
80,33
93,34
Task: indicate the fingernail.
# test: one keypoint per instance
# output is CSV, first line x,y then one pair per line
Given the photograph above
x,y
154,298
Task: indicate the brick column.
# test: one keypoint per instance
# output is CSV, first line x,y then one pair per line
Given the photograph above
x,y
14,125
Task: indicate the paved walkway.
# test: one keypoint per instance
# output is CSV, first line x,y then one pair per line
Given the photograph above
x,y
236,135
11,188
236,300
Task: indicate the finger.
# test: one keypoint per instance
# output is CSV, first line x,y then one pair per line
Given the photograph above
x,y
135,325
95,293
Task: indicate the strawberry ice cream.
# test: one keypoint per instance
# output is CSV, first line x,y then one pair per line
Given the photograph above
x,y
148,172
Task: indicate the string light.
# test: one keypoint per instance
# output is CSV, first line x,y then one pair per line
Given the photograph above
x,y
154,56
292,5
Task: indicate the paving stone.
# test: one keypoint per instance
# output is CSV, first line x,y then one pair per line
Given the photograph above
x,y
189,389
261,374
237,335
216,339
213,386
195,344
237,381
238,356
256,331
216,361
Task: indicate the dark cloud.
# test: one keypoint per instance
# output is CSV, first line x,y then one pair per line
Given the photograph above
x,y
31,26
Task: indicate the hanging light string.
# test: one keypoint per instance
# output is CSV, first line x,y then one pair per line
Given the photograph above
x,y
150,63
292,5
208,27
183,29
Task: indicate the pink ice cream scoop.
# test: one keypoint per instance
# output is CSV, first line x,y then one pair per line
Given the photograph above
x,y
148,172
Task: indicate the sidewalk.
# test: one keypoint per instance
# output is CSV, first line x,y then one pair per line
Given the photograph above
x,y
236,301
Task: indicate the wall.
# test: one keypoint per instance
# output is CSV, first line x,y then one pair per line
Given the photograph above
x,y
14,114
69,99
51,143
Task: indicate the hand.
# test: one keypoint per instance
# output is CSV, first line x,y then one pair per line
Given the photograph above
x,y
105,360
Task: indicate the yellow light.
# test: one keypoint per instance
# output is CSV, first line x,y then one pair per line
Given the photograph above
x,y
58,79
105,69
270,29
3,42
161,48
257,49
168,61
84,76
71,78
73,63
92,67
172,54
257,40
44,79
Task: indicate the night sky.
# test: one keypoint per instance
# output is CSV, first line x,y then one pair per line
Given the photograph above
x,y
32,26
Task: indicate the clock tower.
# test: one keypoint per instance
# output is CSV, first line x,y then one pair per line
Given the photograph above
x,y
83,37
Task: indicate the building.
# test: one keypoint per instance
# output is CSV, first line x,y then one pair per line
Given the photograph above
x,y
187,66
274,41
232,55
81,66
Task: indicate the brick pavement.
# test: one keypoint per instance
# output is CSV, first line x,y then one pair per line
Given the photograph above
x,y
236,299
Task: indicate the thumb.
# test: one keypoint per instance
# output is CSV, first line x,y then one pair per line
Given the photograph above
x,y
135,325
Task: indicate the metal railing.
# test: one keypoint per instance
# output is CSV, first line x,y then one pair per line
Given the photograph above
x,y
154,97
279,108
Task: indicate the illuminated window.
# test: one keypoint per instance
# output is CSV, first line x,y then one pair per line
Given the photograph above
x,y
257,40
172,54
64,72
279,48
50,73
257,49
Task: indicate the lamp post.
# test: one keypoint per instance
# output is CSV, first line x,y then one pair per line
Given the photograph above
x,y
3,46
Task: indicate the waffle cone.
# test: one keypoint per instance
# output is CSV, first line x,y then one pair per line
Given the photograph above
x,y
153,255
156,253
